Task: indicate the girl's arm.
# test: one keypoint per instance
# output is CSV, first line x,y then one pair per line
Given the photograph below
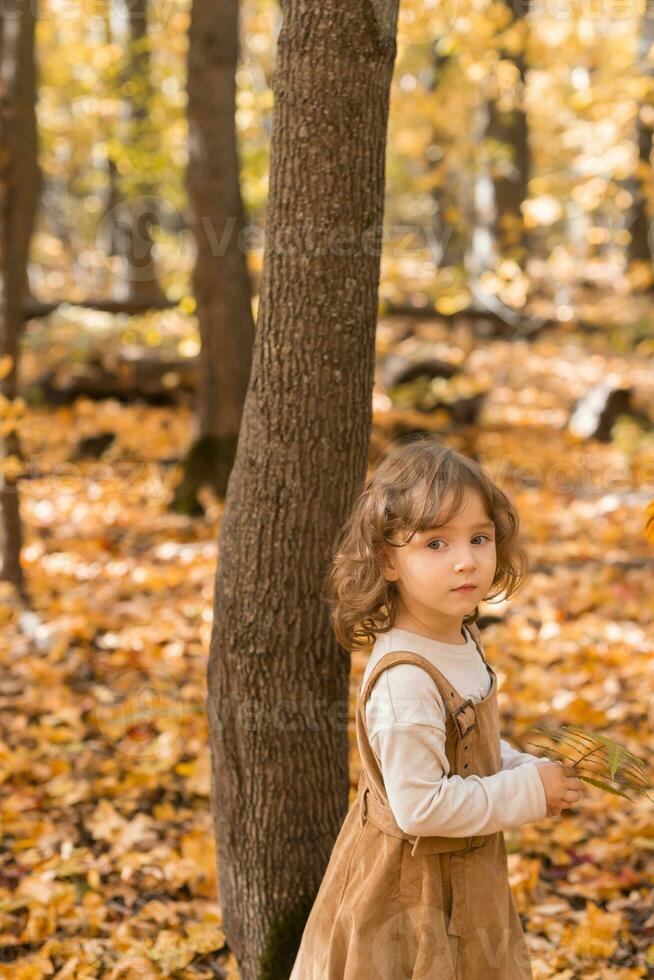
x,y
405,717
511,758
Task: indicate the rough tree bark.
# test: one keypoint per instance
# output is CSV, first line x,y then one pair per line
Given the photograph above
x,y
277,683
221,282
19,189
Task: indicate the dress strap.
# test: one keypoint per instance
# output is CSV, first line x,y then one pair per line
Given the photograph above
x,y
462,710
372,792
473,629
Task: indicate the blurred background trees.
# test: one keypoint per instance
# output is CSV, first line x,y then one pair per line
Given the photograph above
x,y
508,124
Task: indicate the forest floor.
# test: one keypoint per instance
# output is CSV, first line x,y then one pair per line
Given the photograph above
x,y
108,863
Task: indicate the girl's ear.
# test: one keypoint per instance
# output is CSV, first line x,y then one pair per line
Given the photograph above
x,y
386,563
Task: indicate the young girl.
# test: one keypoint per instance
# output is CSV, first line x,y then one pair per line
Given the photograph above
x,y
417,883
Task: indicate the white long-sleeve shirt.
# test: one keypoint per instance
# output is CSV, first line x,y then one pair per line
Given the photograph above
x,y
405,720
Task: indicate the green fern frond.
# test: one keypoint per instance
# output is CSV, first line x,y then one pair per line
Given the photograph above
x,y
621,750
598,759
619,757
609,789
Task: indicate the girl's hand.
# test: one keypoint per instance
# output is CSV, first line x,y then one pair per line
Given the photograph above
x,y
562,787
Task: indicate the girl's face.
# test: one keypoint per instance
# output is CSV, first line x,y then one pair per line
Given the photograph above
x,y
428,570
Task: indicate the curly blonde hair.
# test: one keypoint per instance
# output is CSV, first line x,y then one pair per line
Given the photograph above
x,y
406,493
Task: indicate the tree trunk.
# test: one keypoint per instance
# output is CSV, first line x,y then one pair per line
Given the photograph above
x,y
639,248
508,129
481,251
639,226
277,683
19,189
221,282
132,201
447,224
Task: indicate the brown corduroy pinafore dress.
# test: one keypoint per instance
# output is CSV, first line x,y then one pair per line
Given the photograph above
x,y
393,906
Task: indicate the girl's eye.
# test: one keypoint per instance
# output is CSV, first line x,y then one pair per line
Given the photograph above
x,y
436,540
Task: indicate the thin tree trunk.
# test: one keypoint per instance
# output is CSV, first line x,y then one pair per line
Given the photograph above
x,y
19,188
509,129
639,227
134,213
447,229
639,248
277,682
481,252
221,282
